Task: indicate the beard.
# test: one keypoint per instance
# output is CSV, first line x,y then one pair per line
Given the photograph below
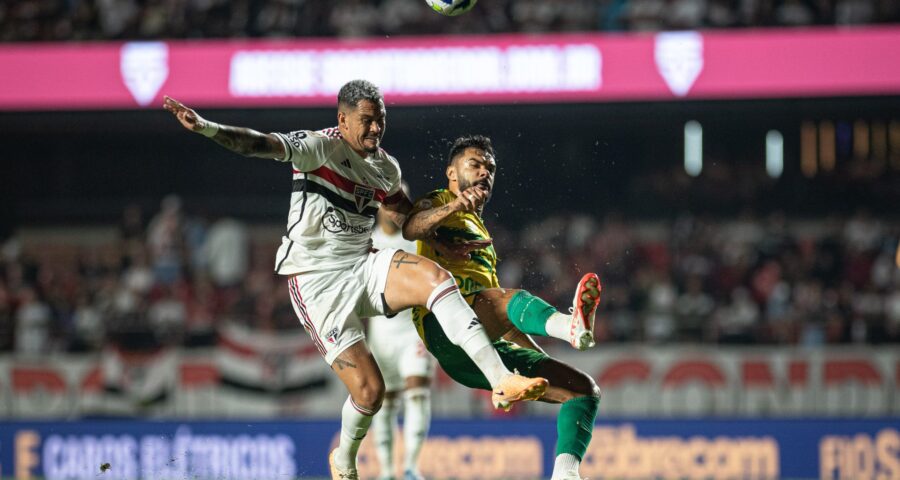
x,y
465,184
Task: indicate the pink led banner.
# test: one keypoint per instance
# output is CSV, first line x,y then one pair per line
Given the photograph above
x,y
454,70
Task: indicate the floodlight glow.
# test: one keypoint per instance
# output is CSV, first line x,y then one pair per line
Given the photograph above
x,y
693,148
774,153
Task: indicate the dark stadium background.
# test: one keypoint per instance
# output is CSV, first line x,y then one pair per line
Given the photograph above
x,y
586,158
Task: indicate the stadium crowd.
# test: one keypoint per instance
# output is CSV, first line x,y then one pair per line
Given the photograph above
x,y
174,279
78,20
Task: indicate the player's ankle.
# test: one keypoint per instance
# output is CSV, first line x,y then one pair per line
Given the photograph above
x,y
559,325
343,459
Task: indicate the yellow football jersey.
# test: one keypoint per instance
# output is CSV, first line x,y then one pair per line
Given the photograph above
x,y
473,275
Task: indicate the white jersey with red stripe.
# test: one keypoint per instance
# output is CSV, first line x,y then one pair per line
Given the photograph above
x,y
336,194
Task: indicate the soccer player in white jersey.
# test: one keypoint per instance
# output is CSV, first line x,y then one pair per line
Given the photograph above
x,y
407,368
341,177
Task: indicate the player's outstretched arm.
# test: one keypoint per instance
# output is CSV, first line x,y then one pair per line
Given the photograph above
x,y
424,219
244,141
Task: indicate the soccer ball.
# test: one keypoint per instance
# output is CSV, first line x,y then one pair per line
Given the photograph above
x,y
451,8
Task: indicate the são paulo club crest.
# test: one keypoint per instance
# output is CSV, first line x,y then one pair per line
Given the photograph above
x,y
363,195
332,335
679,59
144,67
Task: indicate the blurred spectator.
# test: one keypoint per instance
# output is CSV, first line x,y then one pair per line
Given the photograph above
x,y
644,15
354,18
694,308
138,277
131,227
737,321
167,315
660,322
7,322
227,252
33,321
89,329
164,238
794,13
686,14
202,310
854,12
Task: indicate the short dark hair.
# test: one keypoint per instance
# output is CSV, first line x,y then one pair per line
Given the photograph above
x,y
462,143
355,90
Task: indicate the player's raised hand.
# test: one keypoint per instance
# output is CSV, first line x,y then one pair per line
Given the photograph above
x,y
187,116
472,198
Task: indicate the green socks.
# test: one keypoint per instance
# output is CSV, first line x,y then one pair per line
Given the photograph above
x,y
529,313
575,425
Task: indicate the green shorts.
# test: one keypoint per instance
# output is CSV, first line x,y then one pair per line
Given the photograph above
x,y
460,367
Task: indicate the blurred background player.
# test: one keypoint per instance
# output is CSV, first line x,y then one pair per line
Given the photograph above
x,y
407,369
454,215
330,262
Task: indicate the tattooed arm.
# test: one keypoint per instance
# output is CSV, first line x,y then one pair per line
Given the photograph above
x,y
244,141
424,219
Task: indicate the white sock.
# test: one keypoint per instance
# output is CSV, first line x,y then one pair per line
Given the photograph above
x,y
383,427
416,420
355,423
558,326
565,463
463,329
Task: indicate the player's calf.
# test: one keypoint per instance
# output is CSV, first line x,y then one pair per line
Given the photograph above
x,y
533,315
356,367
579,397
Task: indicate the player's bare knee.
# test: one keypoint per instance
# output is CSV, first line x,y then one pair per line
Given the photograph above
x,y
586,386
438,275
370,396
595,391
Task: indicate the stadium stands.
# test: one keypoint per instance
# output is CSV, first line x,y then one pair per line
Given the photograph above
x,y
176,278
79,20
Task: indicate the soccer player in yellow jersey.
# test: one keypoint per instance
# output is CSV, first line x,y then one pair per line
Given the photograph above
x,y
452,217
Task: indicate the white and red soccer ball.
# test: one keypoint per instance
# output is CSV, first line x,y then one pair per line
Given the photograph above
x,y
451,8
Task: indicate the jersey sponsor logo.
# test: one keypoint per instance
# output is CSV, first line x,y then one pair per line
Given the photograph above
x,y
346,163
362,195
144,67
296,137
336,222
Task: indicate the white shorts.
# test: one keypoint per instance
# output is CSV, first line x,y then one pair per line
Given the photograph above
x,y
398,350
331,303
